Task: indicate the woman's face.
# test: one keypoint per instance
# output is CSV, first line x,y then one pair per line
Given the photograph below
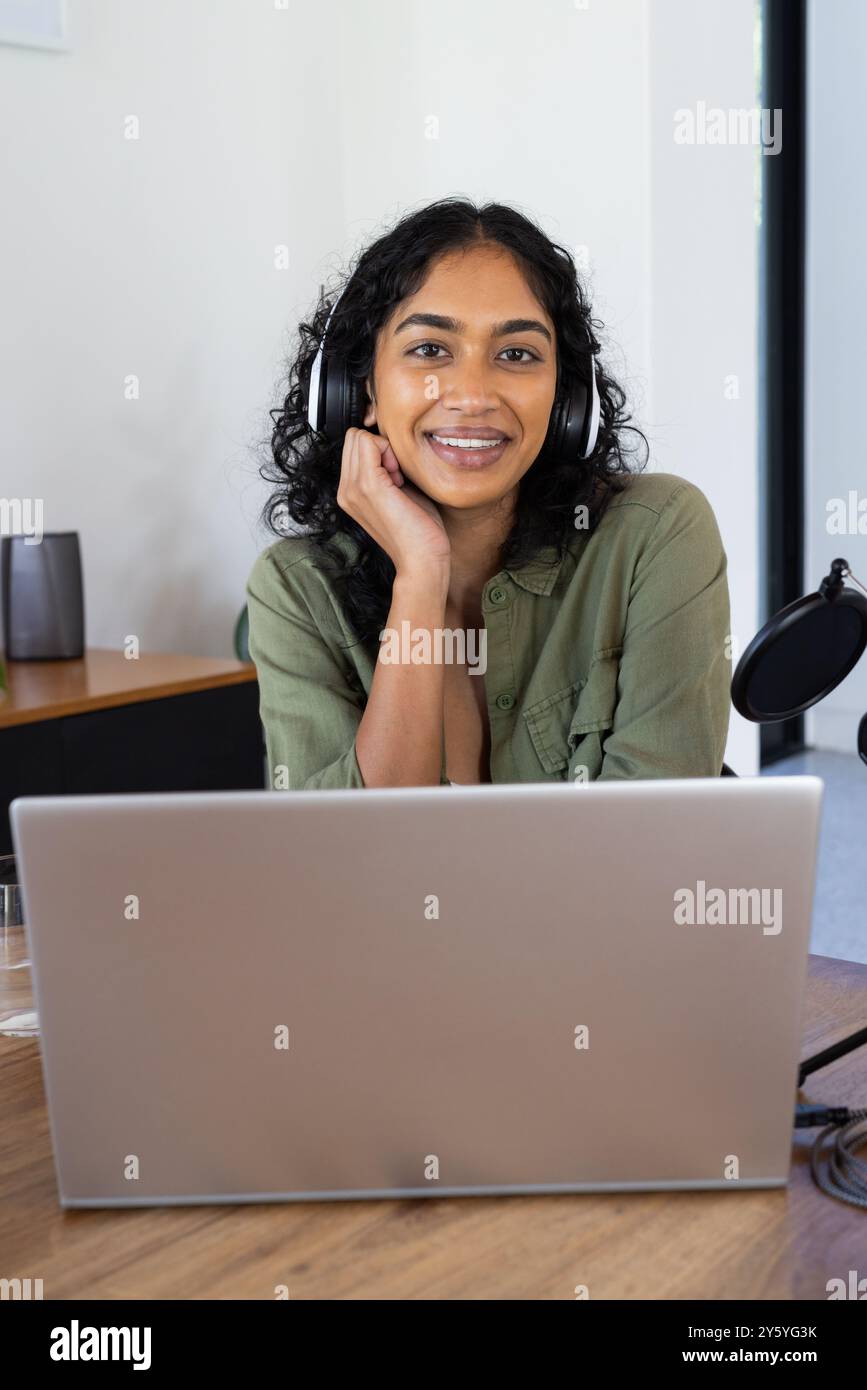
x,y
471,355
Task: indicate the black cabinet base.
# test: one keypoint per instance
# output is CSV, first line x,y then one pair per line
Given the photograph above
x,y
210,740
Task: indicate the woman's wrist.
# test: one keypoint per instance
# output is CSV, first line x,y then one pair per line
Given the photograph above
x,y
428,577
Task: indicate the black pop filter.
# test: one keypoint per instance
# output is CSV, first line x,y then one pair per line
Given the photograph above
x,y
802,652
799,656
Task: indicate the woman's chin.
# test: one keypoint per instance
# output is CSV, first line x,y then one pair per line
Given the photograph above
x,y
467,493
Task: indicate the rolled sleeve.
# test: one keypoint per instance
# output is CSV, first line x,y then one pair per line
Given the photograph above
x,y
672,713
308,708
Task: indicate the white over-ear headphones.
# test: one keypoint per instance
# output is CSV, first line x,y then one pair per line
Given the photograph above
x,y
335,402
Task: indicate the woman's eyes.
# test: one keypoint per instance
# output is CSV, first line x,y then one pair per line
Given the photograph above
x,y
527,353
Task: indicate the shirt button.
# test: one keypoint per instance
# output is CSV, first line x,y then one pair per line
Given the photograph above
x,y
505,701
498,595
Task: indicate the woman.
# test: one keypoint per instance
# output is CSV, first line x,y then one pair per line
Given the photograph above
x,y
474,600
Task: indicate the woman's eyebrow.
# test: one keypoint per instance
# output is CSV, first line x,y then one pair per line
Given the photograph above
x,y
449,325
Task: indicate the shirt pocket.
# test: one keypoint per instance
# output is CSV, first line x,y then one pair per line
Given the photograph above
x,y
560,723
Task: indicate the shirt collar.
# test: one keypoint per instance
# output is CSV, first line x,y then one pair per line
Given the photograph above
x,y
539,575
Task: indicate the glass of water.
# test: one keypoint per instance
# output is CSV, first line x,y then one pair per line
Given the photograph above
x,y
17,1007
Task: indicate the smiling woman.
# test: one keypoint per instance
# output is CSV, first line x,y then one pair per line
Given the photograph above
x,y
454,449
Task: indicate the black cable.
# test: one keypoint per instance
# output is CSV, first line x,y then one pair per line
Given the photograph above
x,y
846,1177
830,1054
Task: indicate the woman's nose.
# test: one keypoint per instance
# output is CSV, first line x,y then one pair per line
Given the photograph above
x,y
470,385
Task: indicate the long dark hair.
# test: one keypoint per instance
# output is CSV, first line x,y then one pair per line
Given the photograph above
x,y
305,467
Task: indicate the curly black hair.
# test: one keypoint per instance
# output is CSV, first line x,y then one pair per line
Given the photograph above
x,y
305,467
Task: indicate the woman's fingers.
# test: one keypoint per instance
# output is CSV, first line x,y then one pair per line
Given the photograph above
x,y
391,465
370,473
353,464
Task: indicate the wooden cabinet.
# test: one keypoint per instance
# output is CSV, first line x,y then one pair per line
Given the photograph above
x,y
164,722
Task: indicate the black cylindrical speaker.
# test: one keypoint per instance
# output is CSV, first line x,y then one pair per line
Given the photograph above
x,y
43,597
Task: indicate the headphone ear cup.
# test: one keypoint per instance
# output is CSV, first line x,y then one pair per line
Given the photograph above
x,y
555,441
356,398
341,399
335,399
574,425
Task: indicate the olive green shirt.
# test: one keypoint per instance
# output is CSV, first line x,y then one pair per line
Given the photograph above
x,y
611,664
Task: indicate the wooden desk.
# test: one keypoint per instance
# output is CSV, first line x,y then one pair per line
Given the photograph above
x,y
780,1243
163,722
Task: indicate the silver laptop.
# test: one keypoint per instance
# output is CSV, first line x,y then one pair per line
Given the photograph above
x,y
547,987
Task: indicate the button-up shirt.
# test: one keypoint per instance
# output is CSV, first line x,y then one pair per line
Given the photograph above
x,y
612,662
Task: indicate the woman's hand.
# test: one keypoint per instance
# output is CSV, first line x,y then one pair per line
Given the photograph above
x,y
401,519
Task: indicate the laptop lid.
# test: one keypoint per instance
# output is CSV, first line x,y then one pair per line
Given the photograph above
x,y
256,996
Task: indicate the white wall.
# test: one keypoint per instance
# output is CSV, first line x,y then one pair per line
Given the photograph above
x,y
311,126
704,268
155,257
542,107
836,311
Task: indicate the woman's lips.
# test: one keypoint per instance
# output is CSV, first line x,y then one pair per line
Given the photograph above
x,y
467,458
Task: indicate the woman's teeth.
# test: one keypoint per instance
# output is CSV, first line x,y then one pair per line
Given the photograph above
x,y
467,443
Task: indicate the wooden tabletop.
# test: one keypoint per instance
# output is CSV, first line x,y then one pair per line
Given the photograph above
x,y
762,1244
104,677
